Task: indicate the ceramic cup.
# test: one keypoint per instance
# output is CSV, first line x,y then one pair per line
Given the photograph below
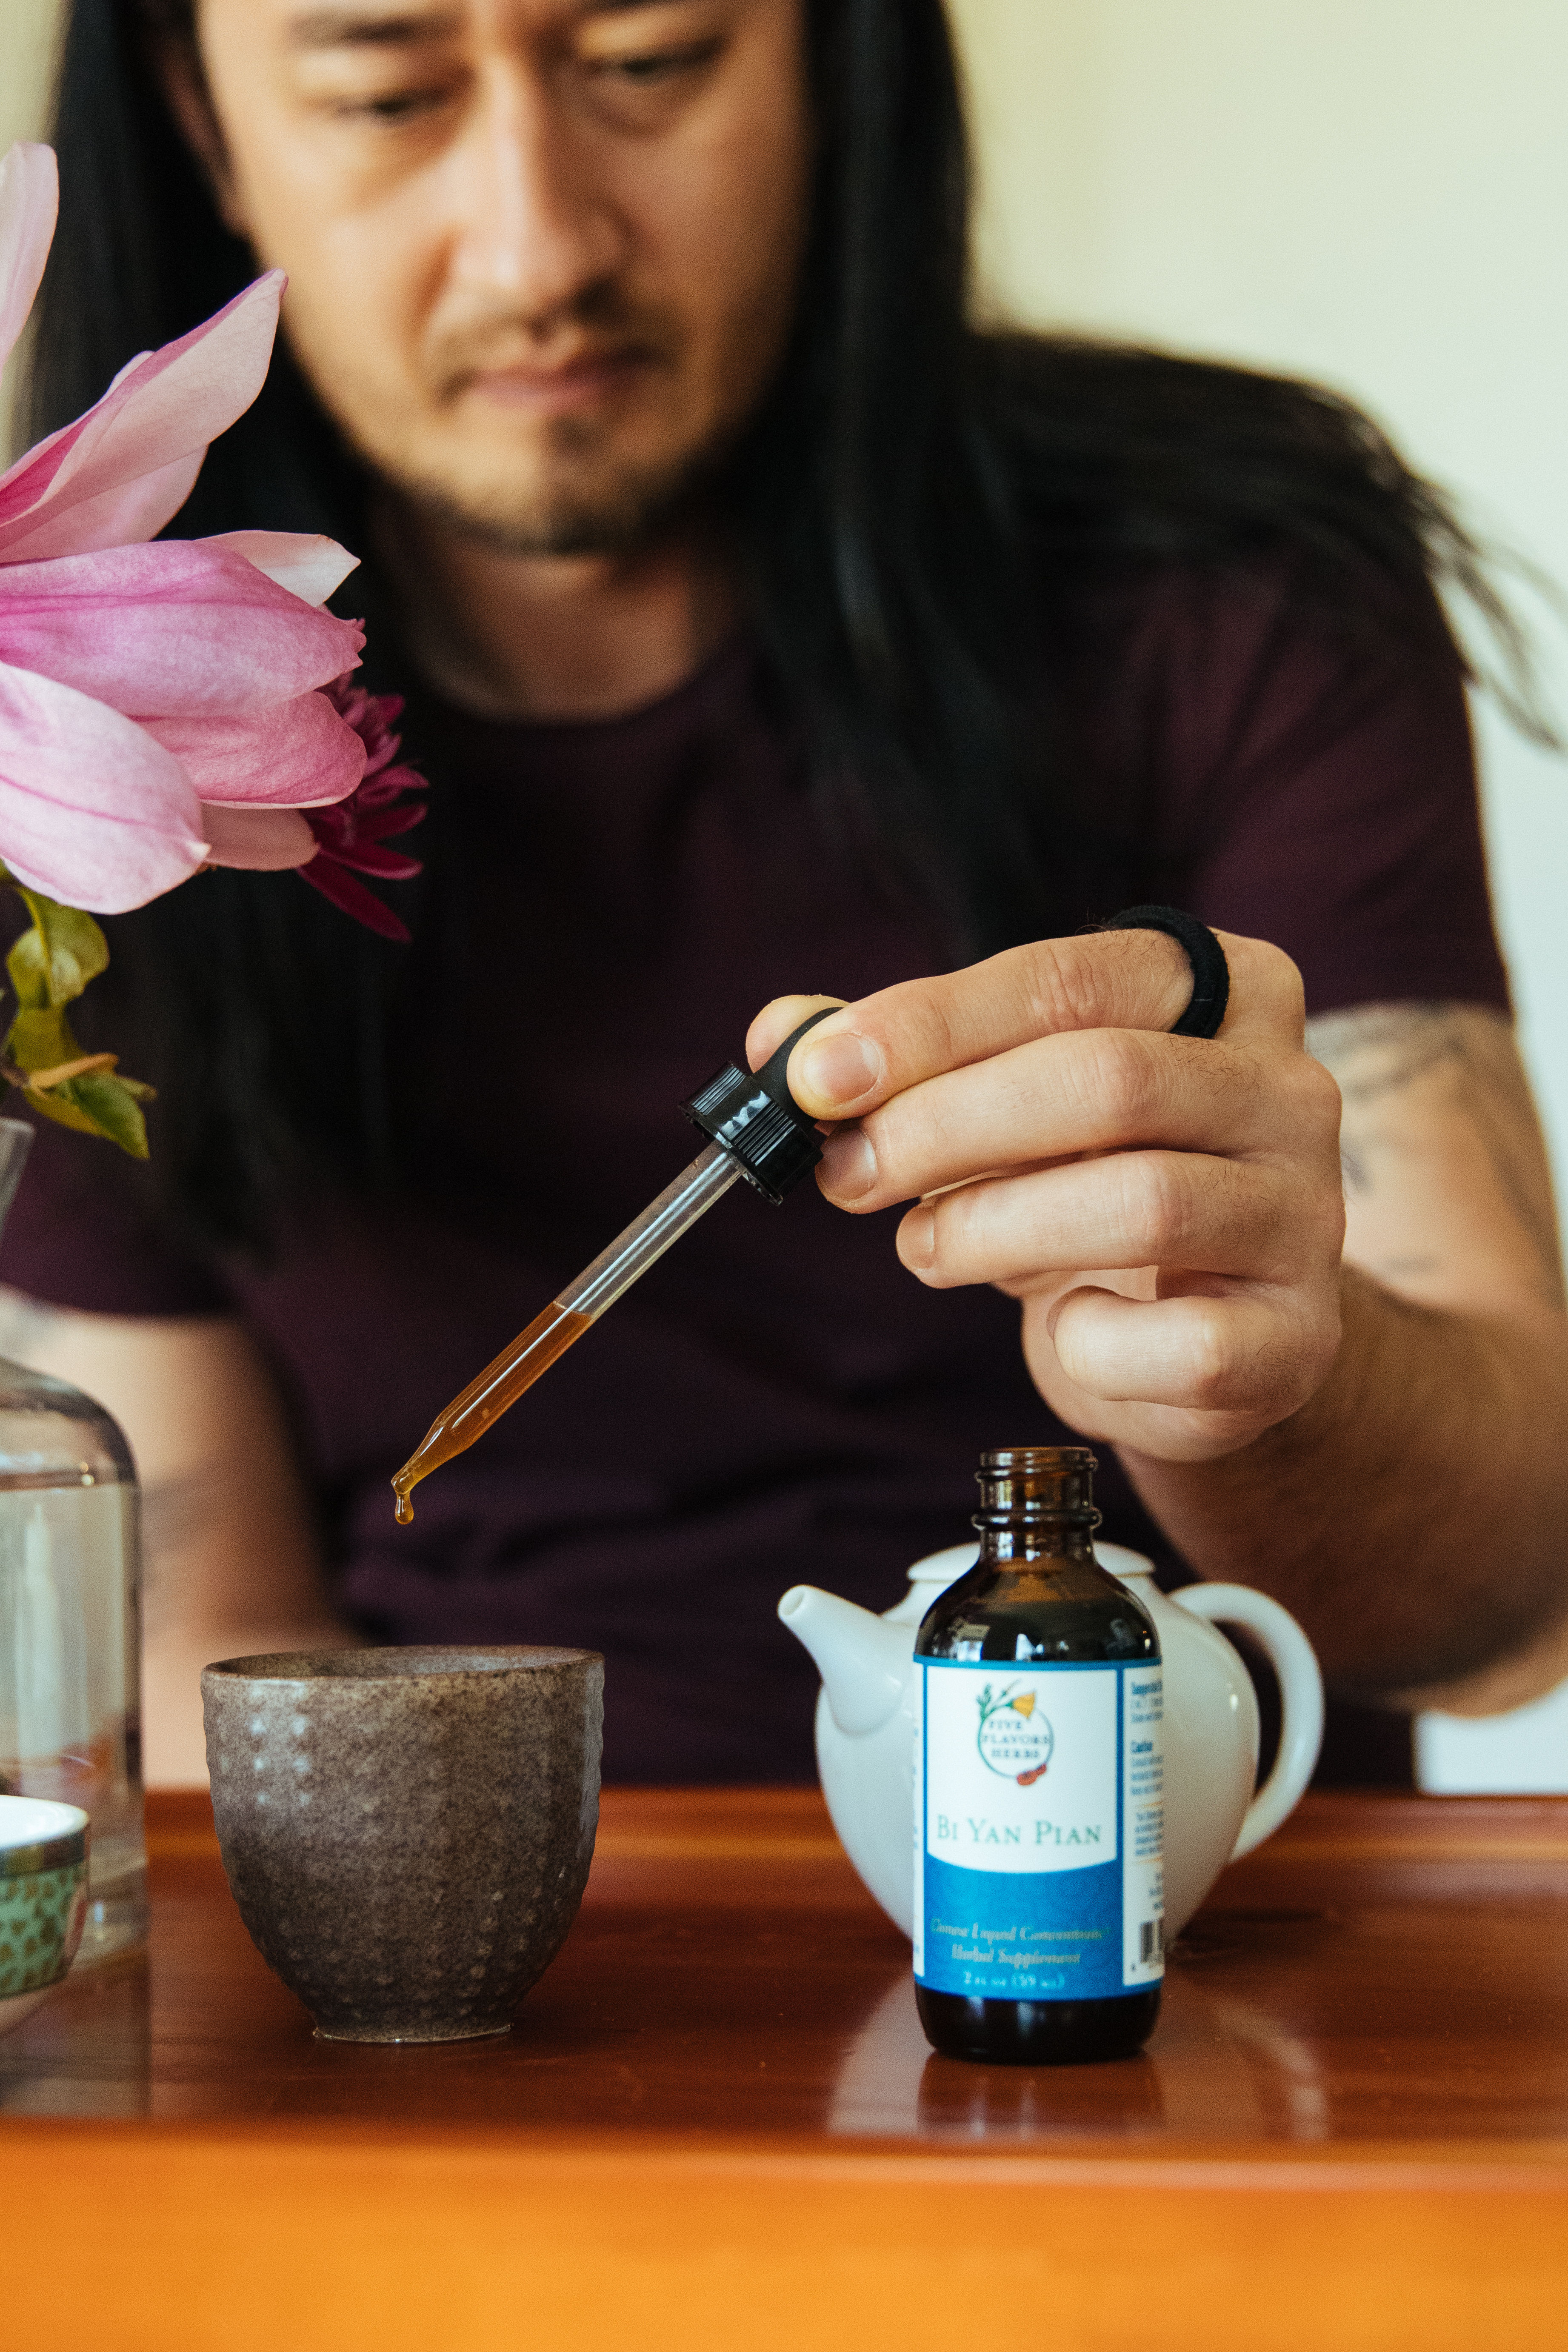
x,y
407,1833
43,1899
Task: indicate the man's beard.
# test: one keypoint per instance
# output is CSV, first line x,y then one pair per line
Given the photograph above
x,y
631,509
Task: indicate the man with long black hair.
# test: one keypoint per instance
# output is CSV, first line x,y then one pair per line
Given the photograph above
x,y
766,626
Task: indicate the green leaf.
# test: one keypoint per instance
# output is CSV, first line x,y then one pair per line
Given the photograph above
x,y
53,963
50,965
103,1103
41,1040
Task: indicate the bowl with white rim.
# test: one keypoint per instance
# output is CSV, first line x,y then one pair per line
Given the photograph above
x,y
43,1899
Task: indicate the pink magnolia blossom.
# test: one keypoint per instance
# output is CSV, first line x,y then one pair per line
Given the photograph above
x,y
161,702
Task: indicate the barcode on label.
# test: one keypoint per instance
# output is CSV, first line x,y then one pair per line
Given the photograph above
x,y
1151,1940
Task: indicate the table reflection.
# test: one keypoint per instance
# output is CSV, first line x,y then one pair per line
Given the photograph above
x,y
1220,2064
88,2051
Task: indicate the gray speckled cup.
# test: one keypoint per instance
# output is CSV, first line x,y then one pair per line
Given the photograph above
x,y
407,1833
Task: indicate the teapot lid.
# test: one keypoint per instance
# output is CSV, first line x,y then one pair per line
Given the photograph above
x,y
1117,1560
944,1567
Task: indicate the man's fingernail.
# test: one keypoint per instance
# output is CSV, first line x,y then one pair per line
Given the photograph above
x,y
848,1165
839,1069
916,1239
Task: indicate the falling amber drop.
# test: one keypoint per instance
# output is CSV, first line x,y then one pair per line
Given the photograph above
x,y
485,1399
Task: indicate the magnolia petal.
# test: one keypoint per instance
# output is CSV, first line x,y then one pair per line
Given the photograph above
x,y
29,199
162,408
304,562
181,628
132,512
265,840
92,811
298,755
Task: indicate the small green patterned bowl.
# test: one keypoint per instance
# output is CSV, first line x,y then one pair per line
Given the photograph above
x,y
43,1899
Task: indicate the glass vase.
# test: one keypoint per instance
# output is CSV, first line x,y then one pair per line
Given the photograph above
x,y
71,1620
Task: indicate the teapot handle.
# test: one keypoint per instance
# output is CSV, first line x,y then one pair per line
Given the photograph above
x,y
1292,1657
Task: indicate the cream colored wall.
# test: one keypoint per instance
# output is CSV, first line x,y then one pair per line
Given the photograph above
x,y
27,31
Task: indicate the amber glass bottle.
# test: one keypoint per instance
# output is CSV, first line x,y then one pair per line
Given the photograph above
x,y
1039,1785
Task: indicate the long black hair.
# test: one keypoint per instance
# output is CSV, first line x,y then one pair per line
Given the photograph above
x,y
913,498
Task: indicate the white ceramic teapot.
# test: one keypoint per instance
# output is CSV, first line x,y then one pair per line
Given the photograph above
x,y
866,1724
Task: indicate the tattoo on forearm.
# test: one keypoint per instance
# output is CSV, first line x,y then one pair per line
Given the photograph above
x,y
1380,1053
1373,1052
1381,1049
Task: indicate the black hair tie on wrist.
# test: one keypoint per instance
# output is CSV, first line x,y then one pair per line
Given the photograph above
x,y
1211,973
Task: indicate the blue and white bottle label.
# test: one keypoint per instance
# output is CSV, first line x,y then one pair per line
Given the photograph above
x,y
1039,1830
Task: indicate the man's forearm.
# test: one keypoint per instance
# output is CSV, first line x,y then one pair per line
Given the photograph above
x,y
1413,1514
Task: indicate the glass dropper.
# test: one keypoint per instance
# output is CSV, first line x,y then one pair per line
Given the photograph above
x,y
757,1131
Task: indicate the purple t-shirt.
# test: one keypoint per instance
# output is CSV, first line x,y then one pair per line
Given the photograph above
x,y
777,1401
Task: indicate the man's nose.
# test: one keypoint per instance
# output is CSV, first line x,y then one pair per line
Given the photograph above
x,y
535,225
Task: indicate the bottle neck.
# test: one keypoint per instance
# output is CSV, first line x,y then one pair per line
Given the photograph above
x,y
1036,1506
1038,1544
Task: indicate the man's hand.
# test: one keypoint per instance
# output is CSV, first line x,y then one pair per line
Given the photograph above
x,y
1169,1210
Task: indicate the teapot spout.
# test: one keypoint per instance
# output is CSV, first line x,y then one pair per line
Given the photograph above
x,y
863,1662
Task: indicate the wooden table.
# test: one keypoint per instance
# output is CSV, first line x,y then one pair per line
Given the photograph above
x,y
717,2122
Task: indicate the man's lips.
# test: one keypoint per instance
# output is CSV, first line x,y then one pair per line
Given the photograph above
x,y
565,389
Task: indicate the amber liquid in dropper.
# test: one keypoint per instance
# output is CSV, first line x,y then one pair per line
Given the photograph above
x,y
499,1385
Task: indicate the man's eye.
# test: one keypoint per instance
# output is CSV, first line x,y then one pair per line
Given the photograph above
x,y
392,106
662,65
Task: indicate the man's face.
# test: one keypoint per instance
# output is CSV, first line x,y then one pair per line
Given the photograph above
x,y
543,254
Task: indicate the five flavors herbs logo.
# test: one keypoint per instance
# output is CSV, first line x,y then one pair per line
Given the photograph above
x,y
1014,1737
